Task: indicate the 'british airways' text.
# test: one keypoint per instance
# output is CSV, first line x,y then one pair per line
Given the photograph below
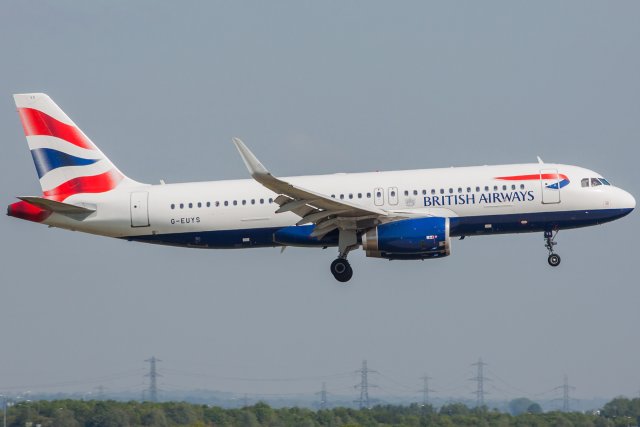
x,y
484,198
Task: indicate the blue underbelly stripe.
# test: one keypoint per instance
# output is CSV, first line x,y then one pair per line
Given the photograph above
x,y
472,225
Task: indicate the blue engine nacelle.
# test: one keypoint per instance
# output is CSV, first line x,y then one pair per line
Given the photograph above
x,y
419,238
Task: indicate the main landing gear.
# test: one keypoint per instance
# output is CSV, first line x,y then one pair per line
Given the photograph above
x,y
340,267
554,258
341,270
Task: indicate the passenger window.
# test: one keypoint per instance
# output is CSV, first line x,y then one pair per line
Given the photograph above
x,y
333,196
208,204
226,203
359,195
351,195
199,204
217,204
459,189
433,191
173,206
235,203
584,182
468,189
424,192
244,202
442,191
406,192
477,189
504,188
495,188
378,194
393,194
595,182
368,195
190,205
262,201
253,201
522,186
415,192
270,200
486,188
513,187
341,196
181,205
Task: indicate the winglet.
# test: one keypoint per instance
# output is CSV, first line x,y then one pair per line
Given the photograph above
x,y
250,160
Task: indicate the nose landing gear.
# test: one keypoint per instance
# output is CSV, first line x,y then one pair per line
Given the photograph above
x,y
554,259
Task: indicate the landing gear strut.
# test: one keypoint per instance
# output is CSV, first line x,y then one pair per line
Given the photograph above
x,y
340,267
554,258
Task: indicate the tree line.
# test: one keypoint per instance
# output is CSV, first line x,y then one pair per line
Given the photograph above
x,y
76,413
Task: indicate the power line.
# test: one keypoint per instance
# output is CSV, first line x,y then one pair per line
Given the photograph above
x,y
248,379
108,378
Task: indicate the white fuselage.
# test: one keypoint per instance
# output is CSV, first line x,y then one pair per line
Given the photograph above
x,y
241,213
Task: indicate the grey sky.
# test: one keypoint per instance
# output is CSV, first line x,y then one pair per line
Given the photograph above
x,y
321,88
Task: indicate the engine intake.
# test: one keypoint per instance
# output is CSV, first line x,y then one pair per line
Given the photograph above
x,y
419,238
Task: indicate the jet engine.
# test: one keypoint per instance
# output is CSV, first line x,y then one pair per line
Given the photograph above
x,y
419,238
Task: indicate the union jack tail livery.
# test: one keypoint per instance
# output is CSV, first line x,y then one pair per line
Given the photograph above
x,y
66,160
68,163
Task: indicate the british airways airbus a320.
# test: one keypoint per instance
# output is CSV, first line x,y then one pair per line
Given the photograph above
x,y
398,215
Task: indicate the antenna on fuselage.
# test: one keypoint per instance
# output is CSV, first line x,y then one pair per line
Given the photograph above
x,y
540,160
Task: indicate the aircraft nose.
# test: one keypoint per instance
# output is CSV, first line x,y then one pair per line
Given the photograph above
x,y
630,201
626,201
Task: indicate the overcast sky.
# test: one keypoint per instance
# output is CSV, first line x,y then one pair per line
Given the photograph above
x,y
323,87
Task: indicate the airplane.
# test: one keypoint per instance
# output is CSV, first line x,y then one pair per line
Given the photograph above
x,y
394,215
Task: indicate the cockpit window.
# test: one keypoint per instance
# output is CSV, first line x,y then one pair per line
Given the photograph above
x,y
604,181
593,182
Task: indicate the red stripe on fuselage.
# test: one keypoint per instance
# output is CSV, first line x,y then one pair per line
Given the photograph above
x,y
533,176
85,184
35,122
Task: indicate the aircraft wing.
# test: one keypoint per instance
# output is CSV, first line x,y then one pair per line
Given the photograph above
x,y
325,212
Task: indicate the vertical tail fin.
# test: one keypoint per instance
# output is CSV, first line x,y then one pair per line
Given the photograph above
x,y
66,160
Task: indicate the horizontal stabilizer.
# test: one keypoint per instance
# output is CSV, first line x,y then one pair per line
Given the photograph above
x,y
58,207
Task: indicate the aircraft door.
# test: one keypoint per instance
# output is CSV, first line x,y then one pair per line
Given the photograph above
x,y
139,209
378,196
393,195
550,184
